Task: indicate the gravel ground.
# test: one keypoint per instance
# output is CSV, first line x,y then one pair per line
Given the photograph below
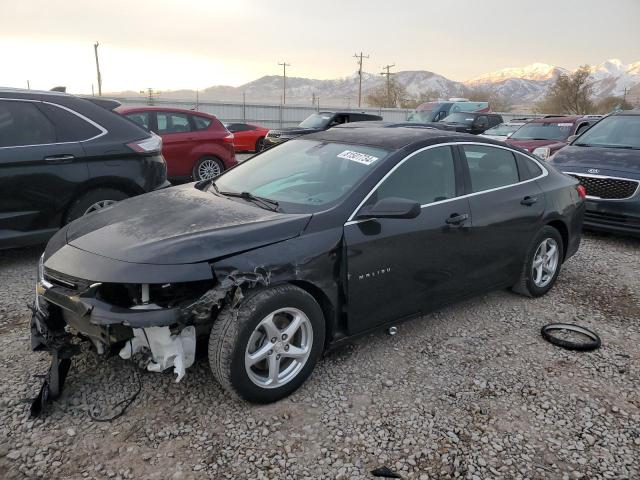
x,y
471,391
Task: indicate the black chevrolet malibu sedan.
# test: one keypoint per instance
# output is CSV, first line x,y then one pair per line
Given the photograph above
x,y
606,161
303,245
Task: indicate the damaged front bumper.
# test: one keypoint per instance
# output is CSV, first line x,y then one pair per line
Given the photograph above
x,y
67,307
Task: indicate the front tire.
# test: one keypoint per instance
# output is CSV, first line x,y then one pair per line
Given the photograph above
x,y
542,264
259,144
268,346
206,168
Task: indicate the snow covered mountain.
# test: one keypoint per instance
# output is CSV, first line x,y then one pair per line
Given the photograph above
x,y
520,85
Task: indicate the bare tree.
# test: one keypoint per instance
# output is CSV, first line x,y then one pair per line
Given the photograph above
x,y
611,104
429,95
497,102
394,97
571,93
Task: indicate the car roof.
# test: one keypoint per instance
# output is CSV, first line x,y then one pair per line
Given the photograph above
x,y
558,119
143,108
348,112
635,111
391,136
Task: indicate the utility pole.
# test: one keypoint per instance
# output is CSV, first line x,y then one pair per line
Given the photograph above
x,y
624,97
284,66
360,57
152,95
95,49
388,75
28,85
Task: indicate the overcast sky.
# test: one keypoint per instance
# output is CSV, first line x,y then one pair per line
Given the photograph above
x,y
171,44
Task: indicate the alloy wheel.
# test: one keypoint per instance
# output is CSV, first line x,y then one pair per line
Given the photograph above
x,y
99,206
545,262
208,169
278,348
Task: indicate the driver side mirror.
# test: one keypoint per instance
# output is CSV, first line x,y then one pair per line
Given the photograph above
x,y
392,207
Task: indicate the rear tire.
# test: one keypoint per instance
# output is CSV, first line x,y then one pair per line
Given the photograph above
x,y
93,200
249,343
542,264
206,168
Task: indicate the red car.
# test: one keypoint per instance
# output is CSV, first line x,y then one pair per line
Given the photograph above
x,y
545,136
247,137
194,144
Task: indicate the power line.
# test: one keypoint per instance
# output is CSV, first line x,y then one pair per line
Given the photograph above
x,y
95,49
360,57
388,75
284,66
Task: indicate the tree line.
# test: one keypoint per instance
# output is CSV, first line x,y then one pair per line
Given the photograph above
x,y
571,93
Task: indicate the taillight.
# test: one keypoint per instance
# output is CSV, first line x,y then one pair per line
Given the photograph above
x,y
148,145
229,138
582,192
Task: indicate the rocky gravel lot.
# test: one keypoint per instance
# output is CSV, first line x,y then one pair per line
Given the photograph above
x,y
470,392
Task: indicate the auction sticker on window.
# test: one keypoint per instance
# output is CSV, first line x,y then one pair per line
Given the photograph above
x,y
358,157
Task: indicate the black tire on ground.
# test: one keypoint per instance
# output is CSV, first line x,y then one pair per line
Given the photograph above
x,y
80,206
196,174
526,284
233,329
259,144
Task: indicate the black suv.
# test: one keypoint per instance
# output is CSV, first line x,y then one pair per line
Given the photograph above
x,y
316,122
469,122
63,156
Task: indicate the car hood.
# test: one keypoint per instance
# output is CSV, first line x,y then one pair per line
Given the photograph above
x,y
181,225
531,145
610,159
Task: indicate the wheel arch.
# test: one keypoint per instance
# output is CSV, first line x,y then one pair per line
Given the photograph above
x,y
327,307
116,183
564,234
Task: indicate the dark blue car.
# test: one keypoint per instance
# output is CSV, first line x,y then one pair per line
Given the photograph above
x,y
606,161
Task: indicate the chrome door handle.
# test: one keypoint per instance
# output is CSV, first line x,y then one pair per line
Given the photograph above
x,y
456,219
59,158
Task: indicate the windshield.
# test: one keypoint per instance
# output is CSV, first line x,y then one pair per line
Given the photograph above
x,y
544,131
460,117
618,131
502,130
420,116
303,175
316,120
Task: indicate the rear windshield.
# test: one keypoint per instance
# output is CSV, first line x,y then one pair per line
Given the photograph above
x,y
316,120
544,131
460,117
503,129
618,131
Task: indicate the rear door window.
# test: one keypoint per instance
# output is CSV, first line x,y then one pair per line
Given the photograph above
x,y
141,118
490,167
69,126
528,168
201,123
22,123
173,122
